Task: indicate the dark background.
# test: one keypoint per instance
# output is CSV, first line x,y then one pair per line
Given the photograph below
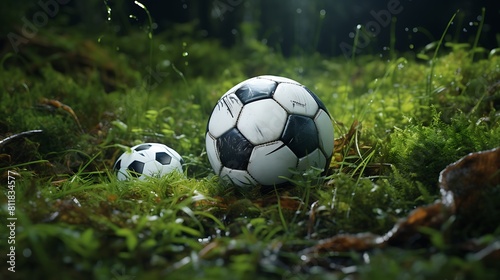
x,y
292,27
279,24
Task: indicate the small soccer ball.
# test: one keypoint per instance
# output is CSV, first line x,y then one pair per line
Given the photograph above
x,y
265,126
147,160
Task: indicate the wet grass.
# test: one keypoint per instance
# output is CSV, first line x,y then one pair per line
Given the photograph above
x,y
395,131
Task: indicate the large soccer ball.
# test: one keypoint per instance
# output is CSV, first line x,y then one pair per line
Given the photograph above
x,y
265,126
147,160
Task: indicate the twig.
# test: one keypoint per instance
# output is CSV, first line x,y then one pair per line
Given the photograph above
x,y
16,136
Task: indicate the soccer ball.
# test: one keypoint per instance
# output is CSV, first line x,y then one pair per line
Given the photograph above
x,y
147,160
265,126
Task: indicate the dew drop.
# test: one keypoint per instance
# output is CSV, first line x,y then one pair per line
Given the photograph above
x,y
27,252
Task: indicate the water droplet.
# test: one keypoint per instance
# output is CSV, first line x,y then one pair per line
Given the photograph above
x,y
351,35
185,54
204,240
67,259
415,29
165,63
108,9
412,46
358,27
322,13
299,10
27,252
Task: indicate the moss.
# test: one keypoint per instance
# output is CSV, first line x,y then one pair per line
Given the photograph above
x,y
353,206
420,152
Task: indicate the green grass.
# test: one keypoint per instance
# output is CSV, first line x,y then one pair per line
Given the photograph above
x,y
76,221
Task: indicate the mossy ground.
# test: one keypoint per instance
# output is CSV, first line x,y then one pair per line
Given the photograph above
x,y
395,132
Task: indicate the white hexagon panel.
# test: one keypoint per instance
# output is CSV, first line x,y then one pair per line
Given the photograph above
x,y
238,177
225,115
268,160
316,159
278,79
296,99
262,121
212,152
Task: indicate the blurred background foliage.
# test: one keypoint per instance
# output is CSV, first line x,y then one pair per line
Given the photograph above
x,y
291,27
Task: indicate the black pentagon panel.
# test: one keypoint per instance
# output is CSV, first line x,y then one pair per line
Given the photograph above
x,y
320,103
300,135
136,168
143,147
234,149
163,158
256,89
117,165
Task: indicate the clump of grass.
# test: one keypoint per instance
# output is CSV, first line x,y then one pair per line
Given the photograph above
x,y
419,152
158,220
420,263
429,89
351,205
